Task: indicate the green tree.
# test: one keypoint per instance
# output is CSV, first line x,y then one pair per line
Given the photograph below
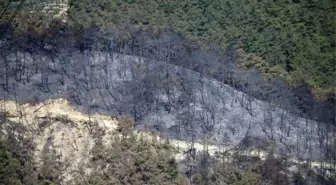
x,y
16,155
294,40
133,159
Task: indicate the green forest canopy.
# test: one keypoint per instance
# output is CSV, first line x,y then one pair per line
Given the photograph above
x,y
295,38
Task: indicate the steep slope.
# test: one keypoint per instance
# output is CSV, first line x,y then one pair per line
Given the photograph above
x,y
173,101
54,124
293,38
76,148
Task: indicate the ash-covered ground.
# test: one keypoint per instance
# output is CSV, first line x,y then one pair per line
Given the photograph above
x,y
173,101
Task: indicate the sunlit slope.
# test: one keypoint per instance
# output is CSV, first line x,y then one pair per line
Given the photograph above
x,y
56,124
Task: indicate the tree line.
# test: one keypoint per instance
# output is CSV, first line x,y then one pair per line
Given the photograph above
x,y
86,62
291,39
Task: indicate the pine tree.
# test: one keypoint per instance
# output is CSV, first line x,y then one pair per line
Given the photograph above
x,y
133,159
